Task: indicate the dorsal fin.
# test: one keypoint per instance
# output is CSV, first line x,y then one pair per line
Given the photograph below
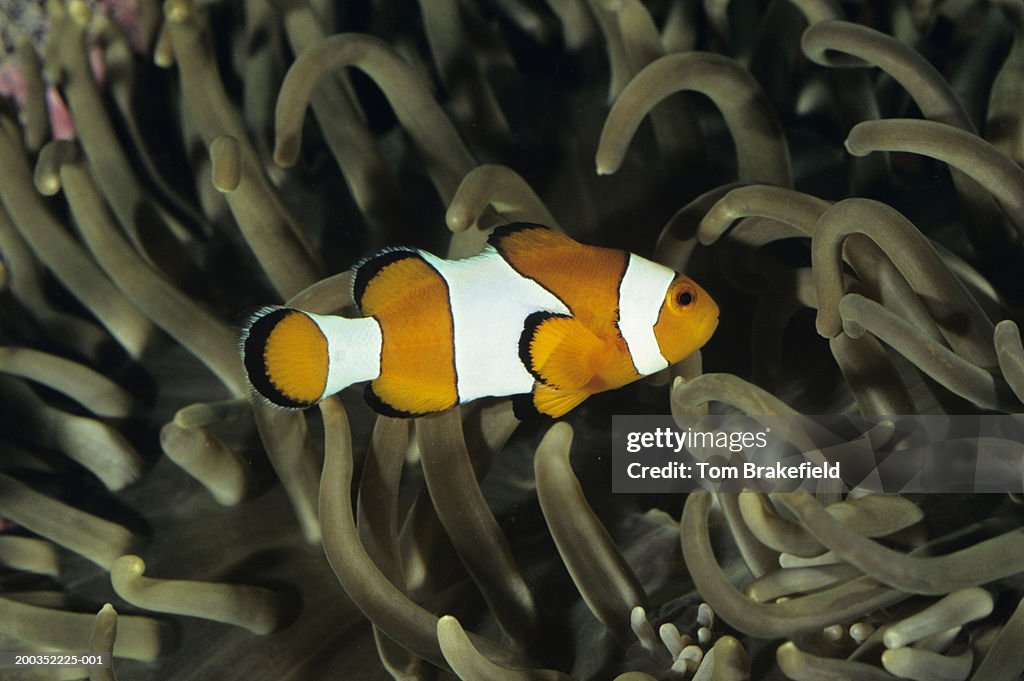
x,y
585,278
367,270
526,235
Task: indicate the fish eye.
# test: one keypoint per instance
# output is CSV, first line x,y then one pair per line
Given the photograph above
x,y
685,298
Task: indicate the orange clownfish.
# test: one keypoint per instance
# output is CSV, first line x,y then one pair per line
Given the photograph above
x,y
536,316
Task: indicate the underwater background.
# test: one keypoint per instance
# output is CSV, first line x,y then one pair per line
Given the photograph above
x,y
844,178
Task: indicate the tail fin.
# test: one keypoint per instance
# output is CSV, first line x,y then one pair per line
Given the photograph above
x,y
285,355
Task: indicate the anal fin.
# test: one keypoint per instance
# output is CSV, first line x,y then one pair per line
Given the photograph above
x,y
405,398
383,408
559,350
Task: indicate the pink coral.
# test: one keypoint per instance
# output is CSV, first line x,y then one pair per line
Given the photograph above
x,y
27,20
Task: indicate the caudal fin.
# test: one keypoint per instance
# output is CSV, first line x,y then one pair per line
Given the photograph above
x,y
285,355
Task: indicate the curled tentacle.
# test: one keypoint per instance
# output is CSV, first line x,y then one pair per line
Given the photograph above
x,y
257,609
981,563
762,155
960,317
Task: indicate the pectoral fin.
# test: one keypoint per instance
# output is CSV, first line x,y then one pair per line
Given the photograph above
x,y
559,350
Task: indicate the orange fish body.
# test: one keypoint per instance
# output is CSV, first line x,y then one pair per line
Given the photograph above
x,y
536,316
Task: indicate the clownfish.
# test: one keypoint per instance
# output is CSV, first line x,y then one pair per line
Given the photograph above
x,y
535,315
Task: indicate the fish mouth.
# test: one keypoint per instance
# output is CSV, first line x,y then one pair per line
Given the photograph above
x,y
713,324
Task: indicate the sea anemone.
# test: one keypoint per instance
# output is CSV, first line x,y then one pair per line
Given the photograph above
x,y
847,184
